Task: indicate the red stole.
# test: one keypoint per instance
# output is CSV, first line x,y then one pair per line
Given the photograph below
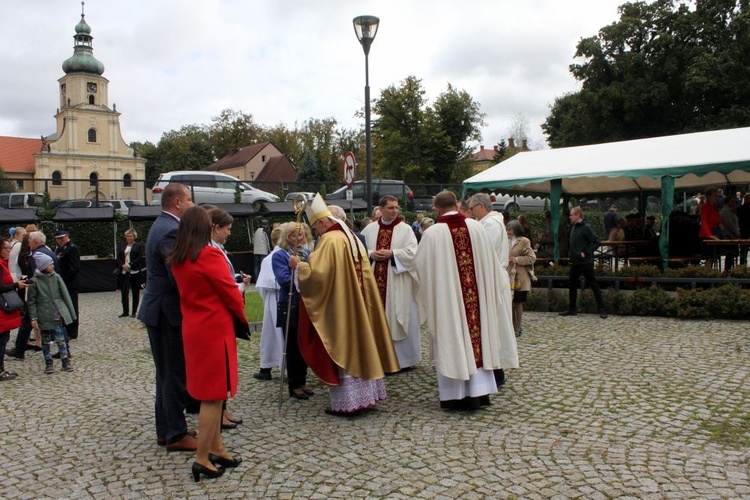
x,y
385,236
467,274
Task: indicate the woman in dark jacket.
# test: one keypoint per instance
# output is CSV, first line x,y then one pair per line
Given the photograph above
x,y
130,263
8,321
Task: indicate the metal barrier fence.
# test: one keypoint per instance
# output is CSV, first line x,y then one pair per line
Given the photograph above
x,y
60,189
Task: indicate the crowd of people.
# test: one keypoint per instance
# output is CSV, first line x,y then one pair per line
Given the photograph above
x,y
344,301
45,283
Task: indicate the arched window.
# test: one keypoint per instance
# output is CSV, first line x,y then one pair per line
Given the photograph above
x,y
127,181
91,99
93,179
57,178
92,135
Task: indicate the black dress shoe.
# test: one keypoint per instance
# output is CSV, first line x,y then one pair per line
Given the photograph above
x,y
295,395
335,413
602,314
199,469
13,353
230,425
263,374
123,315
224,462
568,313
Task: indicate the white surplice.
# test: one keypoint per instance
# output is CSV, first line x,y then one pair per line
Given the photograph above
x,y
401,308
271,338
440,295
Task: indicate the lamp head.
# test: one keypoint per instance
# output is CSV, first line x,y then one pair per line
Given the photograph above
x,y
366,27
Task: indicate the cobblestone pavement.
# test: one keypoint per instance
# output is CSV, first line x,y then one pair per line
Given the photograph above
x,y
627,407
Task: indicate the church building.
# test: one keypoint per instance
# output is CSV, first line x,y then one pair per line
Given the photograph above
x,y
87,153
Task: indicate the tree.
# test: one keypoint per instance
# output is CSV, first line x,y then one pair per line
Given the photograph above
x,y
6,185
500,151
186,149
312,171
518,130
661,69
416,142
460,122
233,129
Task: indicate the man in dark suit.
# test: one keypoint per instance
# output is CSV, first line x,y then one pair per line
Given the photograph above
x,y
70,265
160,311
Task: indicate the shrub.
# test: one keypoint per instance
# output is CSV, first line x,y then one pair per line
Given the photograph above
x,y
651,301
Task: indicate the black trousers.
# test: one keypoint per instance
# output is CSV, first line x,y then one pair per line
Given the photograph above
x,y
296,367
24,332
587,271
171,391
129,284
72,328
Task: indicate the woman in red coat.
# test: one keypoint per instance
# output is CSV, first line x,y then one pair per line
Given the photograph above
x,y
210,303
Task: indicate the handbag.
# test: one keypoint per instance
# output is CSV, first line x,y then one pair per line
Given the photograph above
x,y
241,330
10,301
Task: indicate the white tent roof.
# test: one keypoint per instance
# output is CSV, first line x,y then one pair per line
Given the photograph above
x,y
695,160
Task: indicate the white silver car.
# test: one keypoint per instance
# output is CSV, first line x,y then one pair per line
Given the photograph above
x,y
210,187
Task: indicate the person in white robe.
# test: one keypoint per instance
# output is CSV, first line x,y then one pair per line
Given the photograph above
x,y
464,302
392,246
271,337
480,206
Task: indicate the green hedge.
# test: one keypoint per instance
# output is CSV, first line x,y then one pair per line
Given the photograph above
x,y
724,302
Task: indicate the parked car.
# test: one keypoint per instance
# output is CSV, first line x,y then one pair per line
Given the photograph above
x,y
380,188
123,206
210,187
21,200
85,203
424,203
308,196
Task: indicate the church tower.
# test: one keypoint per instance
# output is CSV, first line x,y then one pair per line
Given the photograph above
x,y
88,153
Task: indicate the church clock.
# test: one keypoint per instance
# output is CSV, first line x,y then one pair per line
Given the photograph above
x,y
91,88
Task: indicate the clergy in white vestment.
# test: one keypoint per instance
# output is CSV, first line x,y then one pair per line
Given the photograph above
x,y
461,291
494,223
271,337
392,246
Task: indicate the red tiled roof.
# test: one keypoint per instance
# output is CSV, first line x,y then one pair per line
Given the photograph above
x,y
485,154
17,154
278,168
239,157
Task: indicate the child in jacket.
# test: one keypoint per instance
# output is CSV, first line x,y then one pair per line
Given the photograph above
x,y
50,308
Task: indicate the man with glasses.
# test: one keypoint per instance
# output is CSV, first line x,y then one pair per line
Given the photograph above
x,y
392,246
493,222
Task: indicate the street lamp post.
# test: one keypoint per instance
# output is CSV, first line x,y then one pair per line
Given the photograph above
x,y
366,27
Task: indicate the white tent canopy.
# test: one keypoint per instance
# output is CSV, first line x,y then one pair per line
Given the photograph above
x,y
683,162
694,160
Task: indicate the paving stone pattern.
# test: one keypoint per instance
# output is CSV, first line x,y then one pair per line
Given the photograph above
x,y
621,408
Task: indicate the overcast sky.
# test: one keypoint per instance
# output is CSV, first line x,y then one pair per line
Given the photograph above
x,y
178,62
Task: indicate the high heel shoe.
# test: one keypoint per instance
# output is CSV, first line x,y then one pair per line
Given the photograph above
x,y
224,462
199,469
301,395
230,425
